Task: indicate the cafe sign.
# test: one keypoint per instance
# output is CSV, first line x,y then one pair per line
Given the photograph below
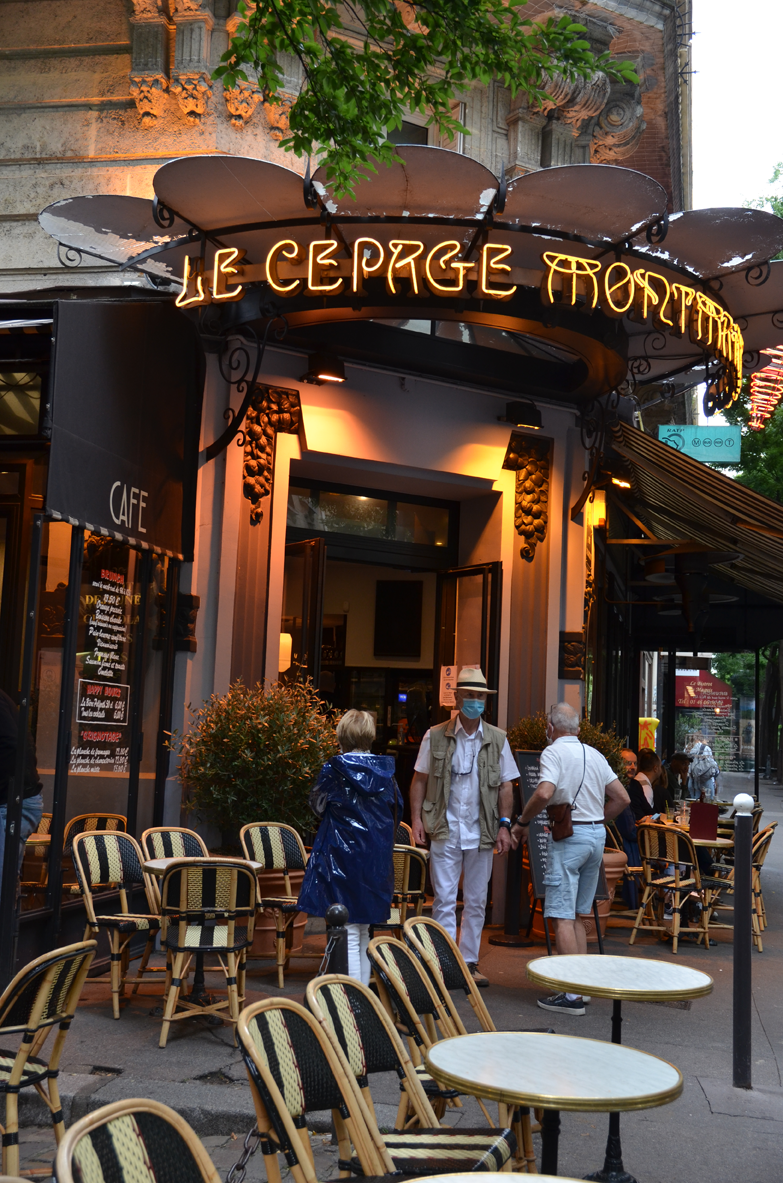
x,y
410,268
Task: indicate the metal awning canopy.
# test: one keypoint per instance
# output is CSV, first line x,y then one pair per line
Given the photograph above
x,y
680,501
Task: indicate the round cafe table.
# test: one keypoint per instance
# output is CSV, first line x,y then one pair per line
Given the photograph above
x,y
639,979
553,1072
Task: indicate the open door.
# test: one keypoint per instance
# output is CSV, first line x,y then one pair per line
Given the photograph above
x,y
303,609
467,629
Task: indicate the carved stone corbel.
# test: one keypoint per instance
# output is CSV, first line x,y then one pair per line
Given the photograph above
x,y
190,82
273,409
618,128
571,658
149,76
241,102
192,92
529,458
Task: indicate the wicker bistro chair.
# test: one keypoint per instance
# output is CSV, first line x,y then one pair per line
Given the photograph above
x,y
448,972
134,1141
170,842
278,848
408,995
365,1038
105,859
295,1067
85,823
43,994
725,872
207,906
35,867
410,878
670,867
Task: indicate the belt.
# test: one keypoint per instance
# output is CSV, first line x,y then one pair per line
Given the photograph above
x,y
573,823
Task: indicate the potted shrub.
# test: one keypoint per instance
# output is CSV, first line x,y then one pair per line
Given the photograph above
x,y
529,734
252,755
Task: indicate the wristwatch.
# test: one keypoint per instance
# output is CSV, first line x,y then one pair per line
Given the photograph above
x,y
504,823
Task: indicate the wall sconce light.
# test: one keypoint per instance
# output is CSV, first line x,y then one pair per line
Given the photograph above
x,y
286,652
522,414
323,367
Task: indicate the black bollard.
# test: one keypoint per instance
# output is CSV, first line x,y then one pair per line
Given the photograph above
x,y
743,939
336,939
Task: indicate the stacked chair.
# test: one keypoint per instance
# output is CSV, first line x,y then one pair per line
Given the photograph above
x,y
296,1065
725,874
278,848
111,860
43,995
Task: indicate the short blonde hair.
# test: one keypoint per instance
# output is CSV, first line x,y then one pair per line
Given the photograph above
x,y
356,731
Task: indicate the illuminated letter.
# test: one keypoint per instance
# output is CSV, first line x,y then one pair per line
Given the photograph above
x,y
361,267
289,250
644,296
623,284
574,270
491,255
447,251
659,316
396,263
225,264
320,257
705,315
683,298
192,283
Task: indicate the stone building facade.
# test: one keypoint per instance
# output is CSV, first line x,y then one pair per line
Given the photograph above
x,y
95,97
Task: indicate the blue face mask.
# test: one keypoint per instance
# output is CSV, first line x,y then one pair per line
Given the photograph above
x,y
472,708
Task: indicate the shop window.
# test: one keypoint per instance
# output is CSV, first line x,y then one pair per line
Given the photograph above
x,y
20,403
424,525
409,133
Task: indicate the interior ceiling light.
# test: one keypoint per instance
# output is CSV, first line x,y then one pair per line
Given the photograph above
x,y
323,367
621,484
522,414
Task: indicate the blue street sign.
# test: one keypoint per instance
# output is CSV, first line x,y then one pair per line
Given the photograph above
x,y
713,445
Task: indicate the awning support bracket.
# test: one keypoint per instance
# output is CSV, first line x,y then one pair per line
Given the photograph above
x,y
237,361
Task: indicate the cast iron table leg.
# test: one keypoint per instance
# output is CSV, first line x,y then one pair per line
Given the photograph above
x,y
613,1170
198,995
550,1134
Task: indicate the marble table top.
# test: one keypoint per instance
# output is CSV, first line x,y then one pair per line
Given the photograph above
x,y
493,1177
159,866
554,1071
717,843
639,978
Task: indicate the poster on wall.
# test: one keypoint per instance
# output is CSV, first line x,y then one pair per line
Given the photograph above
x,y
106,616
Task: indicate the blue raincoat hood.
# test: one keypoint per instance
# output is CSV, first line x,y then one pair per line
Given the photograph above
x,y
351,861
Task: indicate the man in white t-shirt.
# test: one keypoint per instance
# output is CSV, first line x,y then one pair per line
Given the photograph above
x,y
461,795
576,774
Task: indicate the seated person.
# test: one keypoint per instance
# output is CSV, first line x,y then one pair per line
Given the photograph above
x,y
640,789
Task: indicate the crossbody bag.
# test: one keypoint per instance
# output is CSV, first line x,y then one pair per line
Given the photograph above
x,y
560,823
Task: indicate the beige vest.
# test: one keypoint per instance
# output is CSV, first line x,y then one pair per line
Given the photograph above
x,y
436,799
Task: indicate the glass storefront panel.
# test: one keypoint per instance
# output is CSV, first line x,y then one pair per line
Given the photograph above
x,y
426,525
20,403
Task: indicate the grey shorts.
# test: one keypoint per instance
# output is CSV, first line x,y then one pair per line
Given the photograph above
x,y
572,870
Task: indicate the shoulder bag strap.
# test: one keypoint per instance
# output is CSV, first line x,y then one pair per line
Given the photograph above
x,y
584,770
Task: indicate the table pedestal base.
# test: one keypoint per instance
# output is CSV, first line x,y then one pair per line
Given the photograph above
x,y
613,1170
550,1136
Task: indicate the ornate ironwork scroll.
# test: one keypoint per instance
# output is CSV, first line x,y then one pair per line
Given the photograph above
x,y
529,458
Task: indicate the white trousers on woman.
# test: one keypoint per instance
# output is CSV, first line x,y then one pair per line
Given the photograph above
x,y
358,963
447,863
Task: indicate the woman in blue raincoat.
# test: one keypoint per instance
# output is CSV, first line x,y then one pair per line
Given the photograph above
x,y
351,862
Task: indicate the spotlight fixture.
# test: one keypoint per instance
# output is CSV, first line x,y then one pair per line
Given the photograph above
x,y
522,414
621,484
323,367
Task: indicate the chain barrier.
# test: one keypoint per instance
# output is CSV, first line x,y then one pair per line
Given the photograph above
x,y
322,969
239,1169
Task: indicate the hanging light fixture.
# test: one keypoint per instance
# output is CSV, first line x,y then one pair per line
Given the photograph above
x,y
323,367
522,414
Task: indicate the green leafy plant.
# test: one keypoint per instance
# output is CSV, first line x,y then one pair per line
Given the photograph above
x,y
367,66
254,753
529,734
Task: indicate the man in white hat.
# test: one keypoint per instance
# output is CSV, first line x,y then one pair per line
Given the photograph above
x,y
461,795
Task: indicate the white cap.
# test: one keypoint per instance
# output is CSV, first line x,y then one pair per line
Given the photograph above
x,y
744,803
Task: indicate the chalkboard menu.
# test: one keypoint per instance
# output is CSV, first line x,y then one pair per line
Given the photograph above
x,y
538,834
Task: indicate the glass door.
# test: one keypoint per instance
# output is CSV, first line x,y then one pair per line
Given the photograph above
x,y
467,630
301,625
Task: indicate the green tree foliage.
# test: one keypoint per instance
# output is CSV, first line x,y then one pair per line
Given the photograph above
x,y
761,465
771,201
253,754
739,670
367,66
529,735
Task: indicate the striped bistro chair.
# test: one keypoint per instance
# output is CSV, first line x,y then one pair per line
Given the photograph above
x,y
108,860
447,969
409,996
278,848
44,993
170,842
725,873
410,878
85,823
295,1067
207,907
404,835
671,873
133,1141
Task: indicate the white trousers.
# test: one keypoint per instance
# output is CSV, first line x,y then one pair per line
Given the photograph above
x,y
358,963
447,863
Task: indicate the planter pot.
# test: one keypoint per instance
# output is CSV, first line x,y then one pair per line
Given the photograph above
x,y
614,864
272,883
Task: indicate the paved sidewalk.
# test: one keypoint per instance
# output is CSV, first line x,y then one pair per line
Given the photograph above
x,y
712,1134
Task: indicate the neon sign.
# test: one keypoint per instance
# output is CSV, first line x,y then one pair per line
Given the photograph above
x,y
766,390
328,267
